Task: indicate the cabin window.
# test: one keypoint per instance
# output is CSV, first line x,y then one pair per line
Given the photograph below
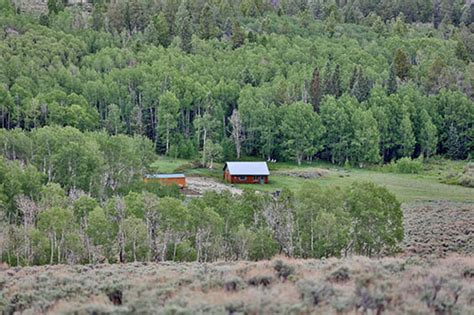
x,y
256,178
242,177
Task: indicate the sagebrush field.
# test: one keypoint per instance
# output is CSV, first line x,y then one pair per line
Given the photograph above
x,y
333,286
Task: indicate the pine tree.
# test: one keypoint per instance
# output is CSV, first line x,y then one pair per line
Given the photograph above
x,y
400,27
392,84
336,82
361,86
238,35
316,93
206,22
330,24
184,27
353,78
461,51
227,28
436,13
446,10
445,27
379,26
53,7
327,78
401,64
161,29
97,17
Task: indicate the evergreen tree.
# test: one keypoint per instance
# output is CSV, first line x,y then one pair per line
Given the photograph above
x,y
97,17
54,6
446,11
461,51
400,27
353,78
316,91
206,22
330,24
437,13
361,86
336,83
379,26
227,28
161,29
327,79
392,84
238,35
184,27
401,64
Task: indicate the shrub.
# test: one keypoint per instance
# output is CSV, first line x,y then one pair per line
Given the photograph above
x,y
341,274
467,176
314,293
260,280
407,166
370,295
115,294
468,273
233,284
283,270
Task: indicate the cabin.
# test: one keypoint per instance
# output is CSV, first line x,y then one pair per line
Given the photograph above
x,y
166,179
246,172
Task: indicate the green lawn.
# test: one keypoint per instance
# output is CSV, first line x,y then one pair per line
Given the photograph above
x,y
407,187
167,165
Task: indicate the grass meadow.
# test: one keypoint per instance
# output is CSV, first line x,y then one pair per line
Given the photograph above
x,y
426,186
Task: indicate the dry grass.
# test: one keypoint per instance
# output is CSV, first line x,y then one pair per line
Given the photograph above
x,y
439,228
409,285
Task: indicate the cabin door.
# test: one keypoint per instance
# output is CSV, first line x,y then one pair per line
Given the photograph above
x,y
262,180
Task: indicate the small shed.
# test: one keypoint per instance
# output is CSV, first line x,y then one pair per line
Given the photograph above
x,y
246,172
166,179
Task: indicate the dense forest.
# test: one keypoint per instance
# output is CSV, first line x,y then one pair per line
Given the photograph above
x,y
88,98
296,80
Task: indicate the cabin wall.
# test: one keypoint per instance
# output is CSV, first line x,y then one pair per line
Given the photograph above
x,y
248,179
181,182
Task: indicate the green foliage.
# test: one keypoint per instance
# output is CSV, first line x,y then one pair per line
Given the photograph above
x,y
303,130
401,64
377,219
330,24
184,27
407,166
85,102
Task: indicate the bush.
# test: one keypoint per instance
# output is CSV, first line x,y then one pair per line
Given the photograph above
x,y
467,176
260,280
314,293
341,274
283,270
407,166
233,284
115,294
185,252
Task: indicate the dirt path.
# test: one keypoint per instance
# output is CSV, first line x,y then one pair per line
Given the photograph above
x,y
199,185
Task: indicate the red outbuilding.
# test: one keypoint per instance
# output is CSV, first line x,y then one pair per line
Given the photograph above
x,y
246,172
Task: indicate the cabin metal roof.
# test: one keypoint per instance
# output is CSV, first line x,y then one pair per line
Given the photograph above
x,y
247,168
163,176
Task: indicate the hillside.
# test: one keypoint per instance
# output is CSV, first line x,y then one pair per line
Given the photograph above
x,y
333,286
363,110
